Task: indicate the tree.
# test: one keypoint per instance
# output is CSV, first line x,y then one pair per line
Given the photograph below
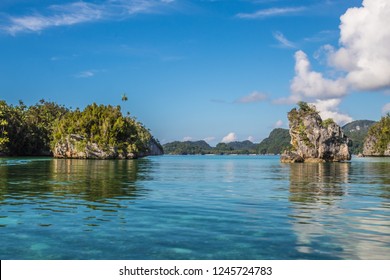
x,y
3,126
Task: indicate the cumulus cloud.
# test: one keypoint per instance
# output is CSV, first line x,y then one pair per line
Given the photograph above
x,y
363,55
365,40
309,84
187,138
229,138
362,61
252,98
251,138
328,109
386,108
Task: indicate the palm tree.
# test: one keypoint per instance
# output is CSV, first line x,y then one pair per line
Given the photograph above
x,y
124,97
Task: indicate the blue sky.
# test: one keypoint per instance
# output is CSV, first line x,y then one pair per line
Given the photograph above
x,y
197,70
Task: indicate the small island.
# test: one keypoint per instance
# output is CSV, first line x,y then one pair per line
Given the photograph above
x,y
314,139
97,132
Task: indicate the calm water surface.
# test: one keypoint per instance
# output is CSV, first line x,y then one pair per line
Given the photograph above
x,y
194,207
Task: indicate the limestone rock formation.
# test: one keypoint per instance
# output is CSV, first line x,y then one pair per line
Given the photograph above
x,y
377,142
75,146
370,147
314,140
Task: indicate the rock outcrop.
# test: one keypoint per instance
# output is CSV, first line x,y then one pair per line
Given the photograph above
x,y
370,148
76,146
377,142
314,140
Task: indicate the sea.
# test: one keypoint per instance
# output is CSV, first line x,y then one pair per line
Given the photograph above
x,y
194,208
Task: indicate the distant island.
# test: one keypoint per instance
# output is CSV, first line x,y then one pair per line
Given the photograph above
x,y
49,129
275,143
278,141
203,148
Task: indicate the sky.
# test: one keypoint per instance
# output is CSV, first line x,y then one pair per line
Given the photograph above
x,y
213,70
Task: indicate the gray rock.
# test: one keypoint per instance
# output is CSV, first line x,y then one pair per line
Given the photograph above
x,y
76,146
370,147
314,140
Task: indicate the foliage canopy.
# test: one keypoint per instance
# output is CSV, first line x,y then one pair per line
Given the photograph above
x,y
35,130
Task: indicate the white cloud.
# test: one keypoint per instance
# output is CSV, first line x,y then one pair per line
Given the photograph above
x,y
251,138
284,42
270,12
229,138
365,40
80,12
85,74
187,138
386,108
209,139
362,62
329,109
309,84
67,14
254,97
278,124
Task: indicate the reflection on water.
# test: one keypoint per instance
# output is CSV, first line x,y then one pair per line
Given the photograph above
x,y
206,207
92,180
95,180
322,182
354,227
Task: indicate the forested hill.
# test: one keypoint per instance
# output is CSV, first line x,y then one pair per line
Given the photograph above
x,y
201,147
277,141
187,148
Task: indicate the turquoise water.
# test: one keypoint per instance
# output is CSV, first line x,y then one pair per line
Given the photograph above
x,y
194,207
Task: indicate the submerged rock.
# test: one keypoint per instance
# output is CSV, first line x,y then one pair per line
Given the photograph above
x,y
314,140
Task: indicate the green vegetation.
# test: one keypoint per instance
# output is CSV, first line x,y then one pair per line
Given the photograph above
x,y
202,148
296,117
3,126
106,127
187,148
357,131
381,132
237,147
28,130
36,129
278,141
304,107
327,122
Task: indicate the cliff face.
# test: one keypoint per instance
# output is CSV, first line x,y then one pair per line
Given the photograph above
x,y
370,147
314,140
377,142
75,146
